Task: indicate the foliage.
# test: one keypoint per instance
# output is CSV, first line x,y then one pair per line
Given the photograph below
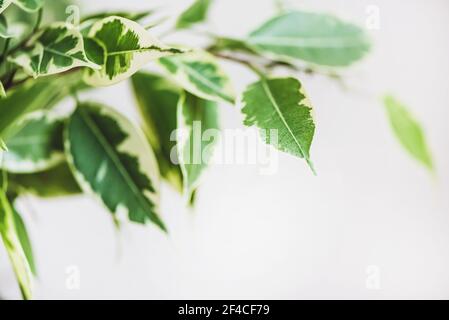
x,y
94,149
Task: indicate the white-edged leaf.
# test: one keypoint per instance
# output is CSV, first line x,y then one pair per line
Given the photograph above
x,y
56,49
408,131
157,99
2,91
111,158
317,38
196,116
24,238
4,32
4,4
281,108
199,73
13,246
194,14
36,145
29,5
127,47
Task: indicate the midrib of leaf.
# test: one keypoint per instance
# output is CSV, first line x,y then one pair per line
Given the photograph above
x,y
110,152
314,42
192,72
151,48
273,101
66,55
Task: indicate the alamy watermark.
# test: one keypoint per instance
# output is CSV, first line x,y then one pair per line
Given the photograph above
x,y
227,147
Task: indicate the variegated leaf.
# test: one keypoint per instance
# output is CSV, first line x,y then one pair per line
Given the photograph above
x,y
127,47
195,117
36,145
24,238
27,5
4,4
2,91
111,158
58,48
4,32
200,74
55,182
8,232
157,99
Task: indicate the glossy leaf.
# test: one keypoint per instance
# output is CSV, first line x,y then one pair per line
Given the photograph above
x,y
111,158
157,99
281,105
58,48
194,14
36,145
127,47
317,38
408,131
200,74
196,117
13,246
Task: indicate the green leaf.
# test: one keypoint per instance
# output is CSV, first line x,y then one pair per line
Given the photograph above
x,y
196,13
22,234
200,74
4,33
408,131
111,158
55,182
195,117
28,5
317,38
40,94
57,49
30,97
157,99
2,91
127,48
13,246
281,105
3,146
36,144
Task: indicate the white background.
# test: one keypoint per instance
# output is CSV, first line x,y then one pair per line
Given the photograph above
x,y
290,235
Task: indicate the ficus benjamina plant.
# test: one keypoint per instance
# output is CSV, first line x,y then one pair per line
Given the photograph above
x,y
95,149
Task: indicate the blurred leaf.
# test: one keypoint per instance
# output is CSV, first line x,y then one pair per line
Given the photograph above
x,y
200,74
111,157
4,32
24,239
55,182
2,91
27,5
31,96
408,131
36,145
316,38
127,48
281,105
157,99
195,117
13,246
196,13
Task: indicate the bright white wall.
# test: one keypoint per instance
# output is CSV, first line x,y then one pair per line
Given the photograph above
x,y
290,235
